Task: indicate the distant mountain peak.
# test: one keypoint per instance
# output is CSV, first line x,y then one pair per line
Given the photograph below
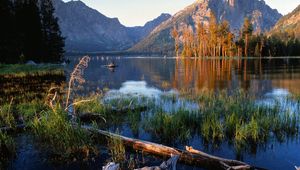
x,y
87,30
261,15
289,23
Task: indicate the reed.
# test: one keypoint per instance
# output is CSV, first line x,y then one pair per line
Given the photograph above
x,y
116,149
169,127
52,128
77,77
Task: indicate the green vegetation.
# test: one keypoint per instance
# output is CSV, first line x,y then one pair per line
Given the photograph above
x,y
53,129
22,70
117,149
6,116
236,117
168,127
30,32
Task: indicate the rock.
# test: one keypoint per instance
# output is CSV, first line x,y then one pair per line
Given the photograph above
x,y
111,166
289,22
87,30
234,11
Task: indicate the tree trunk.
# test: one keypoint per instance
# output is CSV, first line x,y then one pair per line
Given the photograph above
x,y
190,156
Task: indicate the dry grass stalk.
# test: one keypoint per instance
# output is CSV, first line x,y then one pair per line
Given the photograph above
x,y
77,76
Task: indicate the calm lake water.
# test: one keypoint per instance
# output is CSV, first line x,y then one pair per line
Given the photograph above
x,y
259,76
154,77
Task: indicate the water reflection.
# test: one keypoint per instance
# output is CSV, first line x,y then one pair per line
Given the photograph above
x,y
257,76
168,101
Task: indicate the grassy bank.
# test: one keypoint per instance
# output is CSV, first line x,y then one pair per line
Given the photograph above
x,y
21,70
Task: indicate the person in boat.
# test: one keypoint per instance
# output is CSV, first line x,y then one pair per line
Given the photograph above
x,y
112,64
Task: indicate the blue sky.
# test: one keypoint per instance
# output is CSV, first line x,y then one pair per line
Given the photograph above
x,y
138,12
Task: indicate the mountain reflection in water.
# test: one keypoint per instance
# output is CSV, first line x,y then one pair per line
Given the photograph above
x,y
257,76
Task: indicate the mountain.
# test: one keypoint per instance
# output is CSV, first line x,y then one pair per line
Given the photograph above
x,y
140,32
261,15
289,23
87,30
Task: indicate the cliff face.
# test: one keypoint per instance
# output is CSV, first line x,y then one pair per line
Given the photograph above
x,y
289,23
87,30
261,15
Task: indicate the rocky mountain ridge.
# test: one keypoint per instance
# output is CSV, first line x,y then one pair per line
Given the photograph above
x,y
289,23
87,30
234,11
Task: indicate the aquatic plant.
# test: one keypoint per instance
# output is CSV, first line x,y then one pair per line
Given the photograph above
x,y
116,149
171,126
237,116
53,129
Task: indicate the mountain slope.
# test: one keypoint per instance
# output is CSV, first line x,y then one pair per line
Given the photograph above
x,y
234,11
87,30
289,23
140,32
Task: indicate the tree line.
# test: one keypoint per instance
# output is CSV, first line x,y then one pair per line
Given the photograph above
x,y
216,39
29,31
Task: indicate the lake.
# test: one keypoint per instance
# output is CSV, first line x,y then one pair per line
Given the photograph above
x,y
267,79
259,76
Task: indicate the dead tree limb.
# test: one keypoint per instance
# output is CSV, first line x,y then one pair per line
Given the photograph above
x,y
190,157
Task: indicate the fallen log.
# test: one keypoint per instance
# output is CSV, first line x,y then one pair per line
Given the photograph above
x,y
190,157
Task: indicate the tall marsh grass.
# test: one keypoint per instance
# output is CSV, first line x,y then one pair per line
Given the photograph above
x,y
52,128
234,117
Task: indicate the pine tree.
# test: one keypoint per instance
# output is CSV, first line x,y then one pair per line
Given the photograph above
x,y
29,29
8,46
247,31
53,40
213,29
175,35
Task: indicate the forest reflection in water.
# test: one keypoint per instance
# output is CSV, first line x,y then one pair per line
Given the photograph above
x,y
255,75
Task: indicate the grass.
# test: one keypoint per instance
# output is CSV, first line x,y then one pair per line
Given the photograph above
x,y
235,117
52,128
116,149
6,116
238,116
29,110
169,127
22,70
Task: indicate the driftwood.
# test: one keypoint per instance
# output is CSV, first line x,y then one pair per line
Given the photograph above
x,y
190,156
167,165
